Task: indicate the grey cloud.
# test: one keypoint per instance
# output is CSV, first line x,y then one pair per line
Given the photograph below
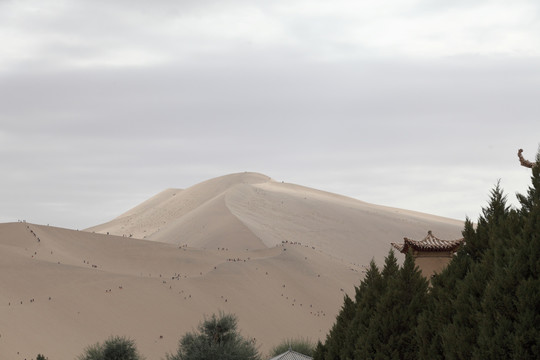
x,y
244,95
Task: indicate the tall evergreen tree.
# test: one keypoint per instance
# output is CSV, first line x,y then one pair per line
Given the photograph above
x,y
367,296
484,305
335,341
527,265
448,328
374,290
391,333
459,336
507,326
320,351
391,267
526,343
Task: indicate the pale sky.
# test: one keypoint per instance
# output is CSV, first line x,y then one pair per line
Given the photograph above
x,y
419,105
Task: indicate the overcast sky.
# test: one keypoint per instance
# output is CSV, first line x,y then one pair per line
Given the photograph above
x,y
416,104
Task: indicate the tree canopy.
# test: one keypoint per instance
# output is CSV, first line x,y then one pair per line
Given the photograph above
x,y
114,348
217,338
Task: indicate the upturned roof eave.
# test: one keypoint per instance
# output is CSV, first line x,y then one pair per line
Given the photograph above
x,y
429,244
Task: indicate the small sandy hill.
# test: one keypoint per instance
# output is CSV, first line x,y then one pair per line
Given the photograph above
x,y
63,290
280,256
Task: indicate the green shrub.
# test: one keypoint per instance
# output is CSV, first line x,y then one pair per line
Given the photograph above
x,y
114,348
300,345
217,339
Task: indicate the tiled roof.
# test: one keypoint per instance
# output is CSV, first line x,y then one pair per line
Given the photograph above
x,y
291,355
429,243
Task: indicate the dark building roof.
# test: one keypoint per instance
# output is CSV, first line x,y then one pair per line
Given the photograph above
x,y
429,243
291,355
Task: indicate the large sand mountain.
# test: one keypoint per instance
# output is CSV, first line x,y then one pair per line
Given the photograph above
x,y
250,210
280,256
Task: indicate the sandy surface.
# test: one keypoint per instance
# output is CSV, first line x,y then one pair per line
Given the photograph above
x,y
279,256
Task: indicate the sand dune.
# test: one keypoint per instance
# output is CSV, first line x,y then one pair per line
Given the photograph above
x,y
166,209
242,210
280,256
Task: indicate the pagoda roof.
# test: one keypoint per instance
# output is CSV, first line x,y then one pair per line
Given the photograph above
x,y
291,355
429,243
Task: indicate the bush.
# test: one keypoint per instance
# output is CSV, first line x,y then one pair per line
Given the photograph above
x,y
114,348
300,345
217,339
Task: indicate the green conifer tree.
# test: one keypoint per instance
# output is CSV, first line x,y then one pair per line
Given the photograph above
x,y
510,324
484,305
335,340
320,351
449,328
391,267
367,296
392,329
374,289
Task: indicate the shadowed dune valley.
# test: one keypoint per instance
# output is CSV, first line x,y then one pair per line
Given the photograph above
x,y
280,256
